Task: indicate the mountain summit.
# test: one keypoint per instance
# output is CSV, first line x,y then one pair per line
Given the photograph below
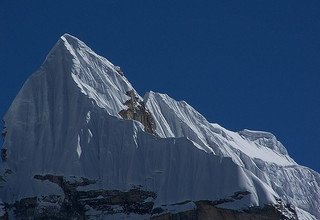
x,y
80,142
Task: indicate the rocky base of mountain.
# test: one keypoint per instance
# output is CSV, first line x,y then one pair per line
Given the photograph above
x,y
206,211
80,204
103,203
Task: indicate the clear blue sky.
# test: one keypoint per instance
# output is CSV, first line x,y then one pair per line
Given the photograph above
x,y
242,64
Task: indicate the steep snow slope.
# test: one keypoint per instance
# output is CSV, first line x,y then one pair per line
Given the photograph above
x,y
65,121
259,152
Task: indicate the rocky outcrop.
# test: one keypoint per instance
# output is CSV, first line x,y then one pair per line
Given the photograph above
x,y
119,71
207,211
4,130
4,177
82,204
101,203
137,111
4,154
4,151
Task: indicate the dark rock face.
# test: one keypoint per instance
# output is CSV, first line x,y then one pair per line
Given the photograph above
x,y
4,154
102,203
236,196
4,151
137,111
4,130
25,207
77,204
207,211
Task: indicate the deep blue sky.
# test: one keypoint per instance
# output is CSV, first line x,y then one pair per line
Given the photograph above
x,y
243,64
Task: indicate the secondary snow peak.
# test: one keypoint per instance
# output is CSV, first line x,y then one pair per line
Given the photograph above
x,y
264,139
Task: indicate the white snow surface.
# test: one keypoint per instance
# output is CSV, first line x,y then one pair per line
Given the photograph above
x,y
65,121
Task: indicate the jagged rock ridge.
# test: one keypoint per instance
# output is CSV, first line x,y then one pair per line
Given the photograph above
x,y
137,111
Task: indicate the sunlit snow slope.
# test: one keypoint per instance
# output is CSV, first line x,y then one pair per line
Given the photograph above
x,y
66,121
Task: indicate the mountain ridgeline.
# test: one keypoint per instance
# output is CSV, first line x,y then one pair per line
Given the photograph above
x,y
80,142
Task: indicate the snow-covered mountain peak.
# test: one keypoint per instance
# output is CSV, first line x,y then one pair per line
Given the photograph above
x,y
67,121
72,40
67,44
94,75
